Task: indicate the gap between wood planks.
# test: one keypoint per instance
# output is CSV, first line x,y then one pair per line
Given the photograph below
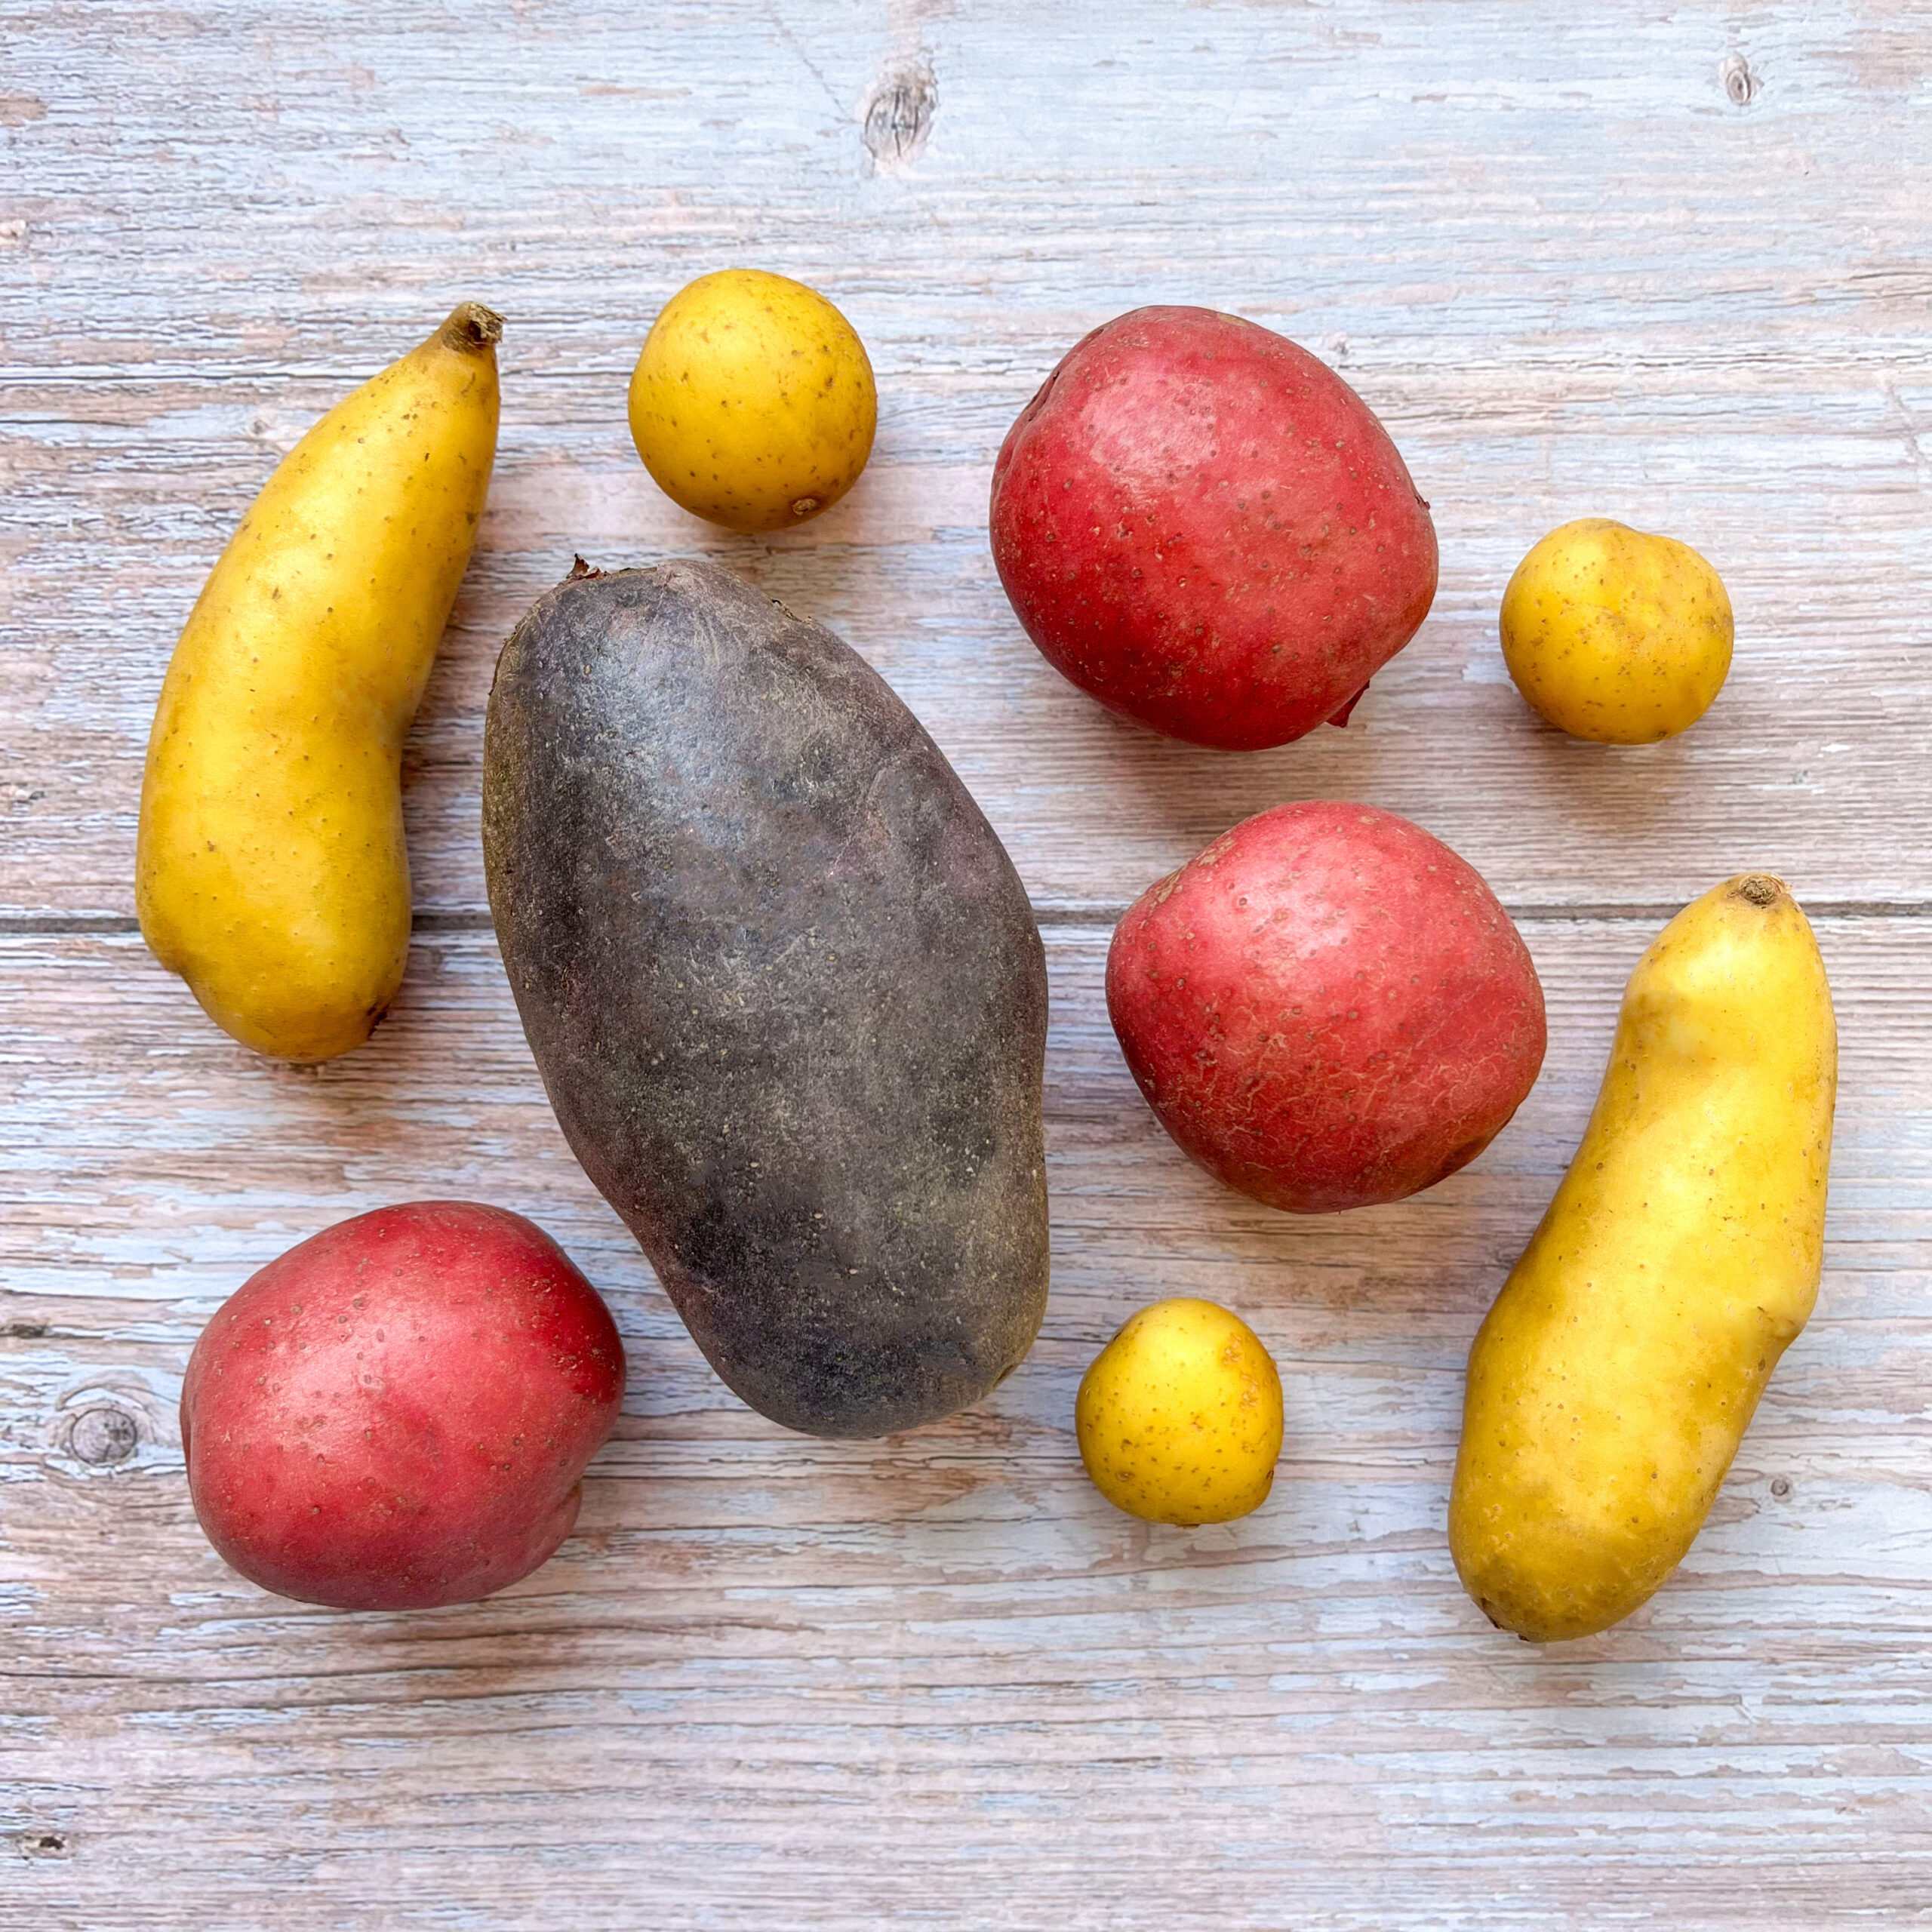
x,y
13,924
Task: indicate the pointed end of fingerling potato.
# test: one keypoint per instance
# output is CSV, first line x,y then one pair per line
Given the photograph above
x,y
471,329
1759,888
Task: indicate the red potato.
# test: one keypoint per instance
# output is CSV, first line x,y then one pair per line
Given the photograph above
x,y
1327,1008
395,1412
1208,531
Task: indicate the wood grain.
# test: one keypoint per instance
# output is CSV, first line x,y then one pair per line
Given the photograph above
x,y
1571,274
793,1681
1667,266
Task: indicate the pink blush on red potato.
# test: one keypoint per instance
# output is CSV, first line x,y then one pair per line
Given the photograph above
x,y
1327,1008
395,1413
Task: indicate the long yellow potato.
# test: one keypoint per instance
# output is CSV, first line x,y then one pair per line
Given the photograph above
x,y
1613,1380
271,872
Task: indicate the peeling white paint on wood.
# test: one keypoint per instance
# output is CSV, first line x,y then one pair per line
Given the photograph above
x,y
1670,267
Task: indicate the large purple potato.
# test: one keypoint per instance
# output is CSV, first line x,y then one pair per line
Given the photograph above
x,y
784,988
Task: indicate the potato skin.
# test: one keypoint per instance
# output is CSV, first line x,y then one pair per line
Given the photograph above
x,y
784,988
1208,531
1615,635
1327,1008
1179,1417
1613,1379
395,1414
753,403
271,872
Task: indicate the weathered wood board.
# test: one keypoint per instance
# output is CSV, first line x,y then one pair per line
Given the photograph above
x,y
1669,266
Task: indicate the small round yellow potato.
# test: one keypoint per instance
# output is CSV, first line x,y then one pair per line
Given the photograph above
x,y
1616,635
1180,1417
752,404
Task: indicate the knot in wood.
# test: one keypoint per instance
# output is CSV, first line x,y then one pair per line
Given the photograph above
x,y
44,1844
1780,1488
104,1436
900,114
1740,84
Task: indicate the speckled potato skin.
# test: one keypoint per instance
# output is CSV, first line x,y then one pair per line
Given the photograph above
x,y
395,1412
1613,1380
1208,530
784,988
1327,1008
270,870
1180,1416
1615,635
752,404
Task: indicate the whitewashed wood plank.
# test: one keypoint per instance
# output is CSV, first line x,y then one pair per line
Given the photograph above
x,y
936,1681
1572,274
833,1670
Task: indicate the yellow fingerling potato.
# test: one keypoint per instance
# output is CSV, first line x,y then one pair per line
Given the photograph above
x,y
1615,635
1180,1417
270,870
1613,1380
752,404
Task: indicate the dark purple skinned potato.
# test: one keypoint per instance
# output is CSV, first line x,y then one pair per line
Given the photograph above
x,y
784,989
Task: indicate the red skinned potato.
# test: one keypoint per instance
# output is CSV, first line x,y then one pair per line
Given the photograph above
x,y
1327,1008
395,1412
1208,531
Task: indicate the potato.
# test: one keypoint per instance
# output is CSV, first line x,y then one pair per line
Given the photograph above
x,y
396,1412
1327,1008
1615,635
753,403
784,987
270,872
1180,1416
1209,531
1613,1380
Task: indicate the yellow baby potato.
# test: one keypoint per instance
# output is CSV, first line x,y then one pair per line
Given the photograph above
x,y
1180,1417
1615,635
752,404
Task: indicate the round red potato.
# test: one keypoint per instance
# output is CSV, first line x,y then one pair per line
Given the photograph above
x,y
1208,530
1327,1008
395,1412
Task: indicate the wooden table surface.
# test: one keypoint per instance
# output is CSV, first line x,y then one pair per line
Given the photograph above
x,y
1668,265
